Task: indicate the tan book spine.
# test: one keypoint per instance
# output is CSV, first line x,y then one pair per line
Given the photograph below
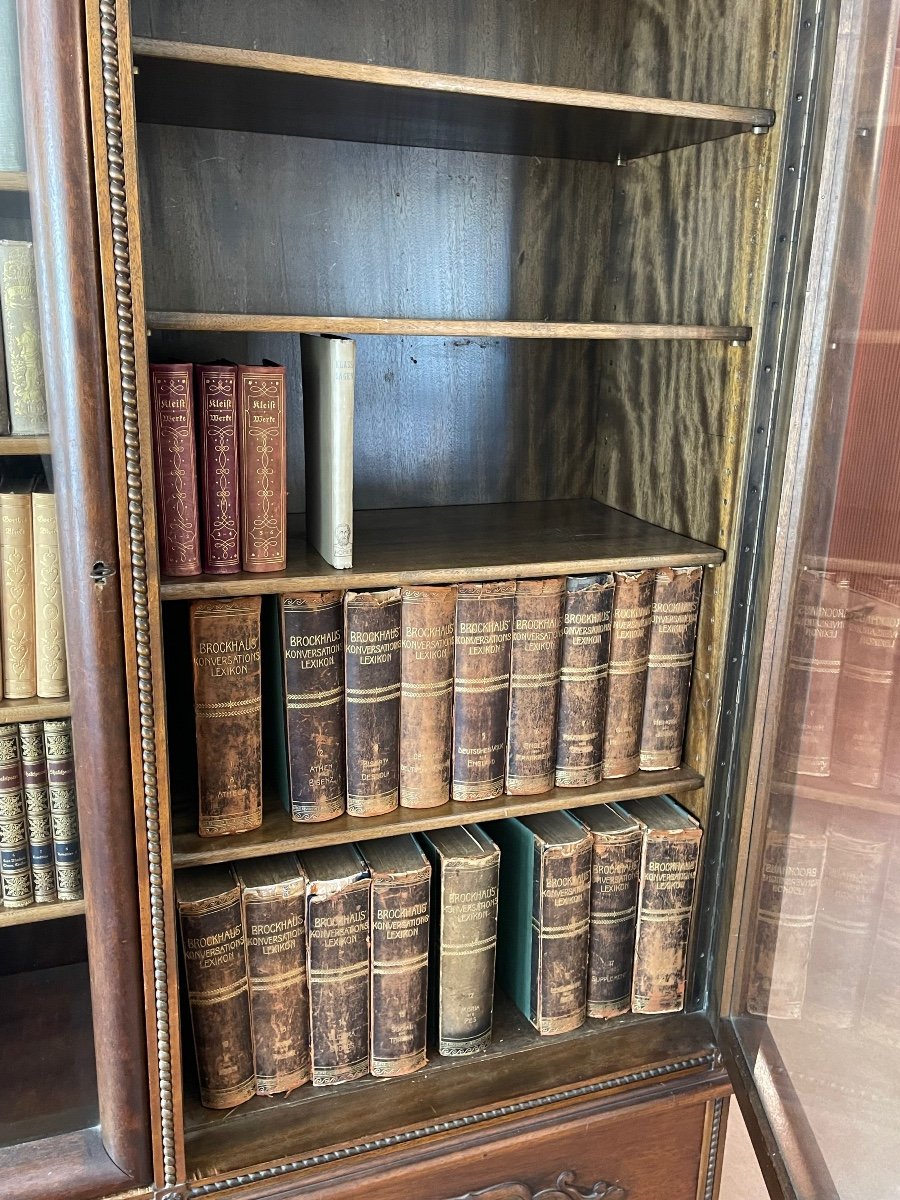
x,y
59,752
583,680
534,686
49,629
17,596
426,695
22,338
628,658
673,633
262,457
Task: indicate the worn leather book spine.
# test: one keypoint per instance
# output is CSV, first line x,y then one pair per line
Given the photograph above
x,y
219,476
225,650
372,641
262,456
562,884
880,1015
175,468
15,868
534,686
22,338
312,638
583,679
212,936
615,882
49,629
399,1001
481,665
673,634
17,596
426,695
37,811
628,657
63,808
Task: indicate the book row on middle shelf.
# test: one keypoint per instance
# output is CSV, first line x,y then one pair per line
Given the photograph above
x,y
338,962
411,697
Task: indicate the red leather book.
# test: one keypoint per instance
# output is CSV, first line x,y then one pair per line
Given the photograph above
x,y
175,468
219,486
262,467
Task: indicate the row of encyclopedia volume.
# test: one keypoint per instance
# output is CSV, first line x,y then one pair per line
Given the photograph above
x,y
336,963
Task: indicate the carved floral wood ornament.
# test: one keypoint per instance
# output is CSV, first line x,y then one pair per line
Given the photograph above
x,y
563,1189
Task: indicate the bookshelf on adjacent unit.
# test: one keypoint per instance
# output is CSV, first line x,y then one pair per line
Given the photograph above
x,y
36,709
13,181
25,444
34,913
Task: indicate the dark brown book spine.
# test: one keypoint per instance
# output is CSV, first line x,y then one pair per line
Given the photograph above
x,y
63,808
562,898
615,881
37,810
628,656
426,695
534,686
400,913
175,463
484,620
219,478
227,706
583,679
15,869
372,641
880,1015
665,907
262,457
212,937
673,633
312,633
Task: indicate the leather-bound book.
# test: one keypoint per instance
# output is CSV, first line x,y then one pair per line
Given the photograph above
x,y
880,1015
615,881
17,591
401,901
583,679
338,896
225,649
49,628
628,657
37,810
175,468
673,633
426,695
215,965
372,652
534,686
328,365
217,419
22,338
63,808
542,947
262,456
670,852
465,888
481,664
312,642
15,868
273,899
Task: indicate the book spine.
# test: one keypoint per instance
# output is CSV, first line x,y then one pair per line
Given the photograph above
x,y
17,596
175,468
880,1015
615,881
12,130
63,808
22,338
372,641
275,933
628,656
339,967
5,424
673,633
341,507
49,628
215,964
481,665
562,883
220,485
225,649
312,638
583,679
262,455
15,869
426,695
534,686
37,811
665,906
400,918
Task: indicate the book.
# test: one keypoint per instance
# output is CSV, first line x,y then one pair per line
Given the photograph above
x,y
481,665
17,589
225,650
12,130
22,339
338,897
669,855
628,658
465,888
273,908
426,695
5,425
220,494
15,868
312,645
37,810
52,678
175,468
880,1014
262,453
218,991
583,679
63,808
673,633
544,917
534,686
328,367
617,842
372,638
401,902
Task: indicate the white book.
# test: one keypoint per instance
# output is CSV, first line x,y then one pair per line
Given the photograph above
x,y
22,338
328,366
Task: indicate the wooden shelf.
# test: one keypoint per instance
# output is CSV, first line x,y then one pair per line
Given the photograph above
x,y
13,181
470,541
38,444
34,710
218,87
40,912
845,795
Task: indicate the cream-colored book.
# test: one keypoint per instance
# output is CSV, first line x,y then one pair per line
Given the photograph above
x,y
328,365
49,629
22,338
17,592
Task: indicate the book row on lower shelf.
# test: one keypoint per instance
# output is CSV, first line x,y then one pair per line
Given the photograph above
x,y
23,401
340,962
